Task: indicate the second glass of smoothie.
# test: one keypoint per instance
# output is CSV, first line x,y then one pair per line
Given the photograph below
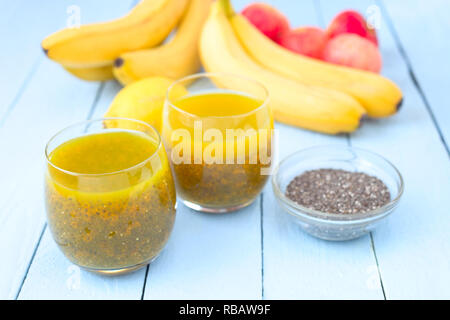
x,y
218,134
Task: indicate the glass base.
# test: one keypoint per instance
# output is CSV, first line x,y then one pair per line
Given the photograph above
x,y
200,208
120,271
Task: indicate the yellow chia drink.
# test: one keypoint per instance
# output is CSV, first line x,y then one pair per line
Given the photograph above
x,y
219,142
110,195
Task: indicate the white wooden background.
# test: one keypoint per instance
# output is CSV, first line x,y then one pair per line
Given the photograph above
x,y
254,253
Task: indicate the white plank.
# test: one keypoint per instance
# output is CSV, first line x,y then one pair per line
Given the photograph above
x,y
52,100
413,248
297,266
423,33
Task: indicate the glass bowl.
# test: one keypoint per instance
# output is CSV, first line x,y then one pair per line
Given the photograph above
x,y
331,226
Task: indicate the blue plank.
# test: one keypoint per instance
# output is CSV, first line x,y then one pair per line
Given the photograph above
x,y
413,247
295,265
210,257
52,276
50,100
43,109
423,35
24,24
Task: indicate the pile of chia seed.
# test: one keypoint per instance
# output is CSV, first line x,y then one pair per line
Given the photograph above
x,y
338,191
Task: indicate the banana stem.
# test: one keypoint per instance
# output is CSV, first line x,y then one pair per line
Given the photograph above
x,y
227,7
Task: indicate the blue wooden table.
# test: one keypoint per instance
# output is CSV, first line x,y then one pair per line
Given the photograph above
x,y
255,253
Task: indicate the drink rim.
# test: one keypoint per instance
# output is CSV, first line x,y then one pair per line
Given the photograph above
x,y
212,75
87,122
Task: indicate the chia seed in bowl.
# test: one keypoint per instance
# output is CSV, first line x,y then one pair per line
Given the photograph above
x,y
337,192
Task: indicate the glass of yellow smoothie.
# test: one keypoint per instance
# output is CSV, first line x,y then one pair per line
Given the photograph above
x,y
218,136
109,194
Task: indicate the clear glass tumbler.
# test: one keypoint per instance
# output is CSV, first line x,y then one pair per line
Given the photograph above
x,y
217,129
109,194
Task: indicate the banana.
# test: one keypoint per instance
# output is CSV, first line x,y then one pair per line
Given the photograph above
x,y
378,95
97,45
314,108
174,60
92,74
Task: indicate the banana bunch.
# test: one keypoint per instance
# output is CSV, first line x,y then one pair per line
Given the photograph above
x,y
378,95
176,59
130,47
303,92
